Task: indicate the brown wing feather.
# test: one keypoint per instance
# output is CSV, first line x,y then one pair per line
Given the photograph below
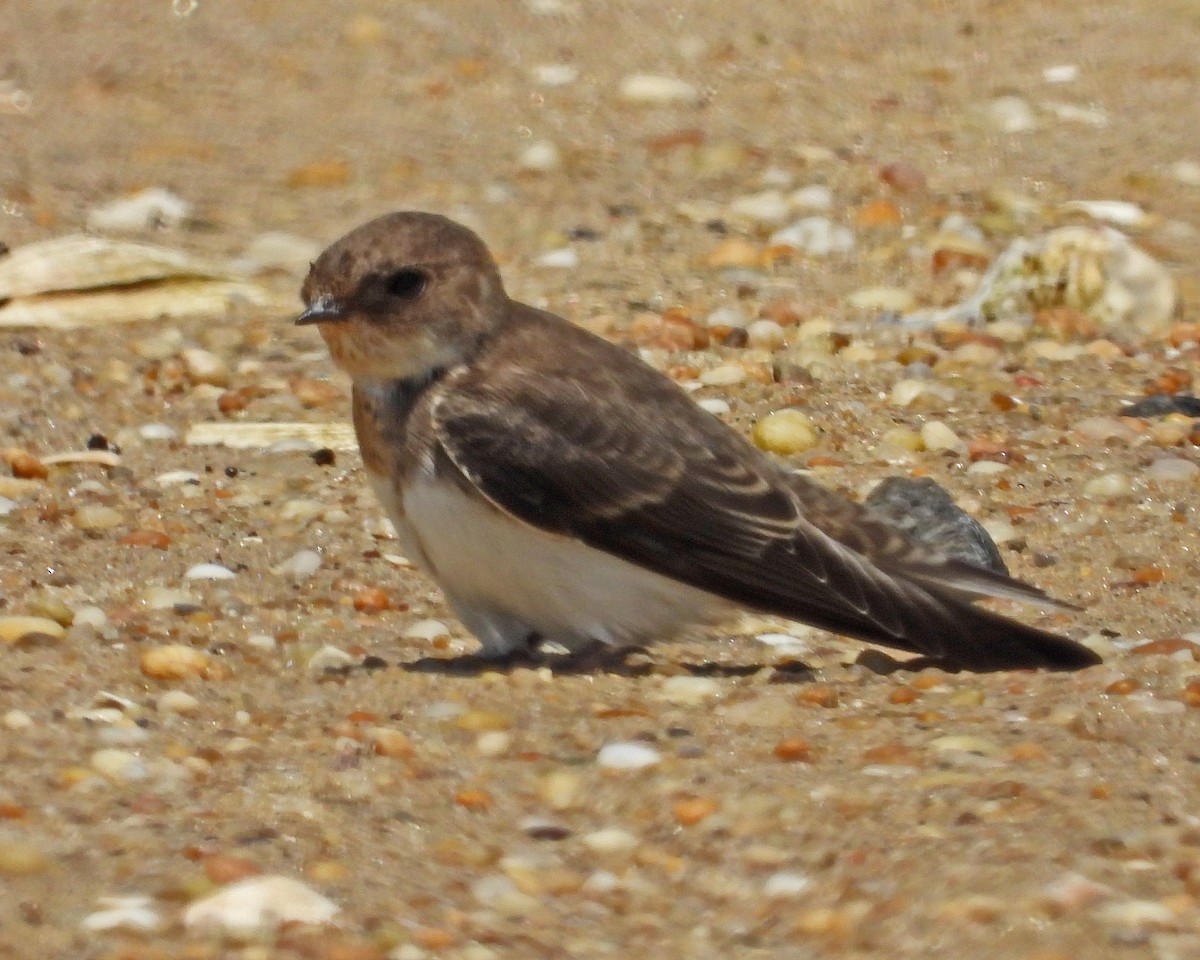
x,y
606,450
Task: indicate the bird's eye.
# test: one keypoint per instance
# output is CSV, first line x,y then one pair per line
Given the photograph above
x,y
406,284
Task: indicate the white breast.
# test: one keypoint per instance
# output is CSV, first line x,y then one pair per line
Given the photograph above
x,y
507,579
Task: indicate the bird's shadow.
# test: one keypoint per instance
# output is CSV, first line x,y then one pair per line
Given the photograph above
x,y
618,663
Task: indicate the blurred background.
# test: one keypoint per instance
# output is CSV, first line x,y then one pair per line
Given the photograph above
x,y
621,130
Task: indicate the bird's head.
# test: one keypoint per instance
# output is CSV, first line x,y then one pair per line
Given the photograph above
x,y
403,295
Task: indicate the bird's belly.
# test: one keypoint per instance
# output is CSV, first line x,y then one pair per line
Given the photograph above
x,y
562,589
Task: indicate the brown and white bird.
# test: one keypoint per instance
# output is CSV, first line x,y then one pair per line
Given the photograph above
x,y
559,489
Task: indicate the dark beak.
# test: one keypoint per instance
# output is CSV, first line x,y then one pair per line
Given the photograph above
x,y
321,310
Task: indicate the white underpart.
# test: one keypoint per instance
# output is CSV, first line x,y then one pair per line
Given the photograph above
x,y
506,579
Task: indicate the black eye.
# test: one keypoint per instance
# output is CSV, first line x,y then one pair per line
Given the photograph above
x,y
406,284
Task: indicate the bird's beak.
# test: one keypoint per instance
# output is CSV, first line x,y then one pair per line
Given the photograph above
x,y
321,310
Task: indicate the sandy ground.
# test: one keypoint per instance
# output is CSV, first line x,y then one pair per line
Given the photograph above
x,y
788,813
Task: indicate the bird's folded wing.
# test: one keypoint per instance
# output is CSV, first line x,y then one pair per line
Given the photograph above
x,y
677,493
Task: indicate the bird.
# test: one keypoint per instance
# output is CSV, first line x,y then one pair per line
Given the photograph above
x,y
560,490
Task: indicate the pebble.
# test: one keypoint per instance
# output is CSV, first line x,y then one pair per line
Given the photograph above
x,y
815,237
16,720
89,616
650,89
610,840
178,702
765,335
493,743
426,630
725,375
94,516
815,196
541,156
563,258
1120,212
165,598
327,658
882,299
726,317
1108,485
151,209
1061,73
688,690
1140,914
7,506
768,207
937,436
1186,172
260,903
554,74
16,629
204,366
209,571
119,765
628,756
173,477
21,857
302,564
1010,114
174,661
129,912
1172,470
786,884
560,789
157,431
714,405
785,432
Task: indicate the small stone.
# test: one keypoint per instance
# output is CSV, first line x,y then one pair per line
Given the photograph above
x,y
1186,172
564,258
786,884
1172,470
301,565
765,335
815,237
426,630
768,207
389,742
1107,486
610,840
541,156
314,393
157,431
16,720
24,465
815,196
18,629
555,74
118,765
1061,73
725,375
372,600
785,432
651,89
628,756
260,903
493,743
688,690
1139,914
209,571
793,750
882,299
21,857
174,661
560,789
732,252
1073,891
166,598
937,436
1010,114
97,517
329,658
133,913
204,366
693,810
903,177
178,702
